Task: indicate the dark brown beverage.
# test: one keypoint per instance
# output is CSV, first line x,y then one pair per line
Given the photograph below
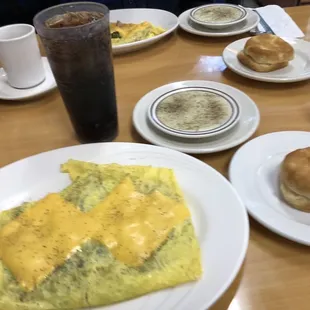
x,y
77,41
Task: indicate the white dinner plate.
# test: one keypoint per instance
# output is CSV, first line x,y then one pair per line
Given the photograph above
x,y
297,70
186,24
7,92
247,125
254,172
219,216
158,18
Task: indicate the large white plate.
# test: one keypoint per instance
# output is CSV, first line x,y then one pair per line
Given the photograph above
x,y
247,125
297,70
186,24
219,216
158,18
254,172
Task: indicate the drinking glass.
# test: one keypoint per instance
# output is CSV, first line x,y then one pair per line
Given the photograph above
x,y
81,60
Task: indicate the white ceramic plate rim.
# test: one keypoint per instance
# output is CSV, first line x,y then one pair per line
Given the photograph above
x,y
35,93
227,24
227,125
267,216
150,40
199,83
140,154
263,76
215,32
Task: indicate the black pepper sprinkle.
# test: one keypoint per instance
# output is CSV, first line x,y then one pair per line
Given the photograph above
x,y
193,110
218,14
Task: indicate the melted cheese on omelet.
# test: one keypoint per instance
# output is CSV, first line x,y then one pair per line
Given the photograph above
x,y
130,224
128,33
134,224
94,274
43,237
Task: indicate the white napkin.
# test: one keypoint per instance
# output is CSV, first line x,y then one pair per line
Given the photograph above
x,y
279,21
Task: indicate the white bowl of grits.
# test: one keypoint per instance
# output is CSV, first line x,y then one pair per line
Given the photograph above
x,y
194,112
218,16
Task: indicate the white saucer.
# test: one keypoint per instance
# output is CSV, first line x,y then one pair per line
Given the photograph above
x,y
297,70
254,172
245,26
248,123
8,92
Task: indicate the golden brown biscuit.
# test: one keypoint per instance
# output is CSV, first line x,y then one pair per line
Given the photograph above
x,y
296,201
268,49
295,179
250,63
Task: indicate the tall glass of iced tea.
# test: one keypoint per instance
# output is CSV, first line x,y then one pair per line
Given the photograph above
x,y
77,41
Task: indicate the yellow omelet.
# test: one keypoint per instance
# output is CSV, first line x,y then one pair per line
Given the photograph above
x,y
116,233
128,33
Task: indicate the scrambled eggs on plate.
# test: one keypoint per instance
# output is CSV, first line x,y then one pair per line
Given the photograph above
x,y
115,233
128,33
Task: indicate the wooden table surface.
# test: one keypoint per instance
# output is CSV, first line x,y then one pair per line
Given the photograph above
x,y
276,273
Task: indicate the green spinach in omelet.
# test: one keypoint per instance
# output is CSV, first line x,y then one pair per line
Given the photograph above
x,y
92,276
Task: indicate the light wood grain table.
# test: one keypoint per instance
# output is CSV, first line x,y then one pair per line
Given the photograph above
x,y
276,273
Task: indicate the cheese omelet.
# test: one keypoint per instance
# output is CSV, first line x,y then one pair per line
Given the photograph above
x,y
115,233
128,33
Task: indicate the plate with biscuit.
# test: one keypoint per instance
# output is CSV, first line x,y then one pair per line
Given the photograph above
x,y
275,183
269,58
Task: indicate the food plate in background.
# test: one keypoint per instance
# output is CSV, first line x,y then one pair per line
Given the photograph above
x,y
255,175
159,18
243,130
297,70
218,214
186,24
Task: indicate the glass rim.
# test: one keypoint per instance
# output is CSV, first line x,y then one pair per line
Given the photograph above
x,y
36,17
17,38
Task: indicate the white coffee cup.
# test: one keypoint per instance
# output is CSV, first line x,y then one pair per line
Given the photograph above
x,y
20,56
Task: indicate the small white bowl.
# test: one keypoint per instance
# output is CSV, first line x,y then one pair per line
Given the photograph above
x,y
224,15
194,112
